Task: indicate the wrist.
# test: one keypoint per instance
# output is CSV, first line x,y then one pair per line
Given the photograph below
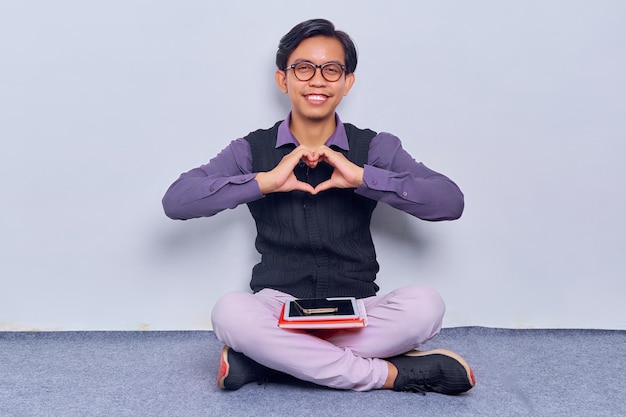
x,y
262,181
360,179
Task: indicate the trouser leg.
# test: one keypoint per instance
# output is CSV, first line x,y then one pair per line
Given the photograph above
x,y
399,321
344,359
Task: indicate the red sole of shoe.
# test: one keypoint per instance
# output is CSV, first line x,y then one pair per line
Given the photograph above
x,y
224,368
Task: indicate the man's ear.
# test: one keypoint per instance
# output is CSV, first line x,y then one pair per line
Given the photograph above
x,y
281,80
349,83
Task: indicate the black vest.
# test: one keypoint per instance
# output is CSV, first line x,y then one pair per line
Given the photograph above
x,y
313,245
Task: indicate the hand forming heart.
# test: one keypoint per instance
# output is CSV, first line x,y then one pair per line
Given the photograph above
x,y
282,179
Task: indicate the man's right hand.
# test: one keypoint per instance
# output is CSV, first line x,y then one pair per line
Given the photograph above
x,y
281,179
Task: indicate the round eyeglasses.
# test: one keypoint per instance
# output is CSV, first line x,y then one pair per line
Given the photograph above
x,y
304,71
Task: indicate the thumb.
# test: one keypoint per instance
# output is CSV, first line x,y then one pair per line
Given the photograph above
x,y
303,186
323,186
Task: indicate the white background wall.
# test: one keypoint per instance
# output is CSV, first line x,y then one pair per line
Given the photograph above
x,y
104,103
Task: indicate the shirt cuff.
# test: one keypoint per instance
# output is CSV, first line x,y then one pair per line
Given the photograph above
x,y
382,180
219,183
376,178
247,189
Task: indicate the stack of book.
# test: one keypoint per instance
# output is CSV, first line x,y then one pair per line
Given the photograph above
x,y
323,313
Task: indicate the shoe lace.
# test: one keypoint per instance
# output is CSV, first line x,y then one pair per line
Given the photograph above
x,y
418,383
266,377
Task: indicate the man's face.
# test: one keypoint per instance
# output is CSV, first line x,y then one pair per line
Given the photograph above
x,y
317,98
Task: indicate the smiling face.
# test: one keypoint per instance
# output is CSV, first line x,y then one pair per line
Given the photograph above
x,y
315,100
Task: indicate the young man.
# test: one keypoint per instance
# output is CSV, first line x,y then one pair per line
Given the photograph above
x,y
311,183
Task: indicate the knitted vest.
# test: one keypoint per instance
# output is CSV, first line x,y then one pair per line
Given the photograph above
x,y
313,245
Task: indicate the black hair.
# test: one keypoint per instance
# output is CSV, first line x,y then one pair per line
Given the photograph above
x,y
308,29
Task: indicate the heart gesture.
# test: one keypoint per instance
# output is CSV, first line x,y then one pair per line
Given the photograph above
x,y
282,179
345,173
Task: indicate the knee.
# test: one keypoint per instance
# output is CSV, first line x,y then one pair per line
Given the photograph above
x,y
423,303
227,310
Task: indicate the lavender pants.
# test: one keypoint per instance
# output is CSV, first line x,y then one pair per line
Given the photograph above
x,y
347,359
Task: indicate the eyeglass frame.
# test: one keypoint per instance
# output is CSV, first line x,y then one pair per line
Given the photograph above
x,y
315,67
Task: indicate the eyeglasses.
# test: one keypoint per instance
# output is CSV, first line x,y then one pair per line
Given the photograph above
x,y
304,71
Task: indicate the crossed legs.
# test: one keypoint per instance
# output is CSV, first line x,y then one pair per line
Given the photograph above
x,y
399,321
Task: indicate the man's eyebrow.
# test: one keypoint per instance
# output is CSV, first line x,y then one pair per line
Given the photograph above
x,y
299,61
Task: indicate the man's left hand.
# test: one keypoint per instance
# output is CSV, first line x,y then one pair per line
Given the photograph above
x,y
345,173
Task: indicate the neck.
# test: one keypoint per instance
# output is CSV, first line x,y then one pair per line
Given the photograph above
x,y
312,133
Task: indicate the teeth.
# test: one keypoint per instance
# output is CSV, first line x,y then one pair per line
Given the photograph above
x,y
316,97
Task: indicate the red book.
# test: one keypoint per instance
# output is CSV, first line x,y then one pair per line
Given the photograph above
x,y
323,313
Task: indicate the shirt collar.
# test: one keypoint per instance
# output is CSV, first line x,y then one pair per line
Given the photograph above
x,y
338,138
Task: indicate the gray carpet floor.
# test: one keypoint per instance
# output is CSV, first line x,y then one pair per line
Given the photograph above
x,y
519,373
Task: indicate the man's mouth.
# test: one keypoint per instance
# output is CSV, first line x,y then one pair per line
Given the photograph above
x,y
316,98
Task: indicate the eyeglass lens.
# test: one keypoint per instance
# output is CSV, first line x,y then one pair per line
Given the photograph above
x,y
304,71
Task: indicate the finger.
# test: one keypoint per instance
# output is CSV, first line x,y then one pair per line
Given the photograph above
x,y
311,164
294,157
303,186
299,152
323,186
312,156
328,155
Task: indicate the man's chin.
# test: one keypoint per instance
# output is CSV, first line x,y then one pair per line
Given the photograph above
x,y
319,117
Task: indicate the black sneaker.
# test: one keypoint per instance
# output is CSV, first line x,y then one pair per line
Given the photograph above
x,y
439,370
236,370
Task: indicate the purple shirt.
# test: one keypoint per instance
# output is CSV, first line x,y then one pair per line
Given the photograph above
x,y
391,176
